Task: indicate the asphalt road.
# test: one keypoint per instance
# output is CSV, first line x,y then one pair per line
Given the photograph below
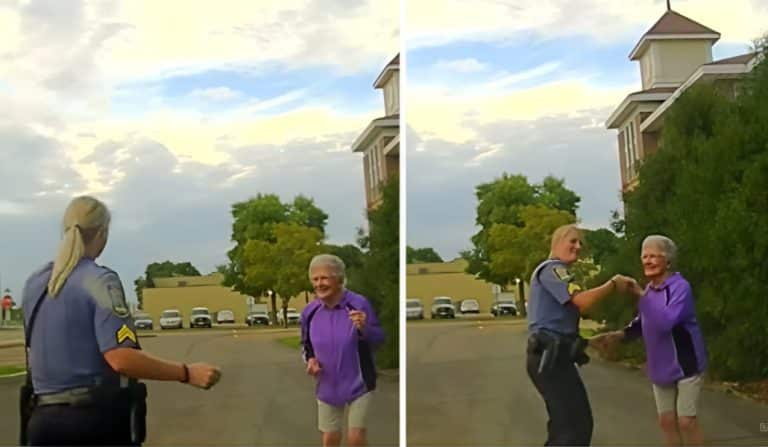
x,y
264,397
467,385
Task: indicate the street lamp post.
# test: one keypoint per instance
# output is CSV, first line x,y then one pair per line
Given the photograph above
x,y
521,294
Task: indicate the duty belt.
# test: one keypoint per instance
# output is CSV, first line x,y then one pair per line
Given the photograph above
x,y
553,346
75,396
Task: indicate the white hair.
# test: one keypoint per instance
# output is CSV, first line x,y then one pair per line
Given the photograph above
x,y
332,261
666,245
84,218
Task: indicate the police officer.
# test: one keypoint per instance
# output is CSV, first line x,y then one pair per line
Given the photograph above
x,y
84,354
554,345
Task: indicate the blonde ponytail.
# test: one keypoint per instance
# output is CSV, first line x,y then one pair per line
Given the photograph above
x,y
83,215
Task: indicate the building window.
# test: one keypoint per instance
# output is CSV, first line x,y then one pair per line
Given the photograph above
x,y
630,150
375,169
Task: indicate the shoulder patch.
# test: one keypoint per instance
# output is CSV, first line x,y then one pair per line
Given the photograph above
x,y
125,333
108,293
116,295
562,274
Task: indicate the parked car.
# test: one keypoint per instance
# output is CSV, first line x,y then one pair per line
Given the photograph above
x,y
469,306
259,317
225,316
200,317
504,306
442,307
171,319
414,310
142,320
293,316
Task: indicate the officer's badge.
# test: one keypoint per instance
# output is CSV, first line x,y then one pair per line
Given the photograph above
x,y
125,333
562,274
117,297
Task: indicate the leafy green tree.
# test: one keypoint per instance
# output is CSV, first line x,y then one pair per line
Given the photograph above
x,y
515,251
598,244
255,220
379,279
281,266
166,269
419,255
507,202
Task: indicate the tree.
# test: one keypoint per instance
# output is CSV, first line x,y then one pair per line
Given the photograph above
x,y
599,244
502,202
166,269
552,193
379,279
515,251
281,266
138,286
255,220
419,255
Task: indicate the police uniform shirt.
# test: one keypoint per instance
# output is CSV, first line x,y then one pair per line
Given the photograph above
x,y
550,307
73,330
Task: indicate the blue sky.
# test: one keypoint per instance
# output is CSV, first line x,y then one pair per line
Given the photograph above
x,y
526,87
170,125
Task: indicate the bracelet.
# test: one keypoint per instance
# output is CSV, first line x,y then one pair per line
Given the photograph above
x,y
186,373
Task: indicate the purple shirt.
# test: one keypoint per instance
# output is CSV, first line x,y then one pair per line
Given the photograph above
x,y
345,354
674,344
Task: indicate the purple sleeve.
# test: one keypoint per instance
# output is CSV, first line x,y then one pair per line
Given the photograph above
x,y
372,331
678,301
634,329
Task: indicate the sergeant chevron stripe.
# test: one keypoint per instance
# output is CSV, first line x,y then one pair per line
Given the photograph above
x,y
125,333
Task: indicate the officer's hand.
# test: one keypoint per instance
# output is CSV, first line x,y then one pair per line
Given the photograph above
x,y
634,288
203,375
358,318
313,367
623,283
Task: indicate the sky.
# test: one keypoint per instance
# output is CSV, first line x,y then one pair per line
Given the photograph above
x,y
172,111
525,87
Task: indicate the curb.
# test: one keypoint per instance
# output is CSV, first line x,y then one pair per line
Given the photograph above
x,y
8,376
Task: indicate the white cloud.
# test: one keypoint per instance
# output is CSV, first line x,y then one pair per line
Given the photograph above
x,y
467,65
507,80
600,20
286,98
452,115
216,94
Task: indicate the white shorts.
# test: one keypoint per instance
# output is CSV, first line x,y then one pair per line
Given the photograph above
x,y
682,396
330,417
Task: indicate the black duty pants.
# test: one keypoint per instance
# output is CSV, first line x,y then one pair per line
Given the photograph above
x,y
570,415
79,425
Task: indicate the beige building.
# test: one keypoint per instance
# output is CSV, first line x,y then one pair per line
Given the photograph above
x,y
428,280
185,292
380,141
673,55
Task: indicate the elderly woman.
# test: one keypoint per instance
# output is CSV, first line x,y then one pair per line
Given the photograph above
x,y
674,345
554,345
339,332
